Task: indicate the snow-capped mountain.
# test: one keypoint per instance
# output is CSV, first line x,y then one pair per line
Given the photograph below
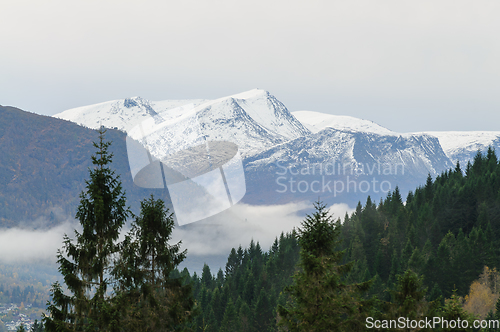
x,y
383,141
122,114
344,164
276,144
457,145
462,146
359,149
253,120
316,121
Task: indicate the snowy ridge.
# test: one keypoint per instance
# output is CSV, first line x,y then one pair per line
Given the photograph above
x,y
316,121
420,154
454,142
254,120
374,143
457,145
122,114
347,158
270,139
463,145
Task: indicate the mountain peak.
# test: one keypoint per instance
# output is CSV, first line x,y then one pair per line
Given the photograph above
x,y
134,101
251,94
254,119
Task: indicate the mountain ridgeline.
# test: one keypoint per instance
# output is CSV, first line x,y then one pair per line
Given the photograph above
x,y
269,137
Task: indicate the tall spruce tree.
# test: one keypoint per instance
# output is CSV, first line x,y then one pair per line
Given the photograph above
x,y
85,263
320,298
148,298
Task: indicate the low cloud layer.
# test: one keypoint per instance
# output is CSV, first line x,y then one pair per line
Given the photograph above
x,y
242,223
20,245
216,236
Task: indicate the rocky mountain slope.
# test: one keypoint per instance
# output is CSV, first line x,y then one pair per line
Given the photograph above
x,y
457,145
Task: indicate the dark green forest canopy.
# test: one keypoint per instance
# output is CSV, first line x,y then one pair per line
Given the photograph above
x,y
445,231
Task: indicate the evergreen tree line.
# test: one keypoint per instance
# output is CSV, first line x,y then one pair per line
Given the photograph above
x,y
17,294
244,297
447,231
402,259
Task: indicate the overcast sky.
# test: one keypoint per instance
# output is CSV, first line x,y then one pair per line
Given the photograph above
x,y
407,65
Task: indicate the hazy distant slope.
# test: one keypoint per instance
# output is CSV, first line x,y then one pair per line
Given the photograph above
x,y
43,164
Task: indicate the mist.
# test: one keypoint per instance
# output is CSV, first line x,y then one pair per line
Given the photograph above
x,y
211,241
207,241
22,245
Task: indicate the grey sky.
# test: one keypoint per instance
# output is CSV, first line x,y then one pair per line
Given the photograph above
x,y
407,65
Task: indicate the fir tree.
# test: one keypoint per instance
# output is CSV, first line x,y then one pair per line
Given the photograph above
x,y
85,263
230,320
263,312
452,311
320,299
206,277
149,298
409,298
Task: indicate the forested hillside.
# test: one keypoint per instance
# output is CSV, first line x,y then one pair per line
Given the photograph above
x,y
245,295
440,238
447,230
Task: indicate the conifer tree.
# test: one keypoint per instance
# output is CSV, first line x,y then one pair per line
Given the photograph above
x,y
245,318
232,262
85,263
409,298
320,299
229,321
453,310
149,299
206,277
263,312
